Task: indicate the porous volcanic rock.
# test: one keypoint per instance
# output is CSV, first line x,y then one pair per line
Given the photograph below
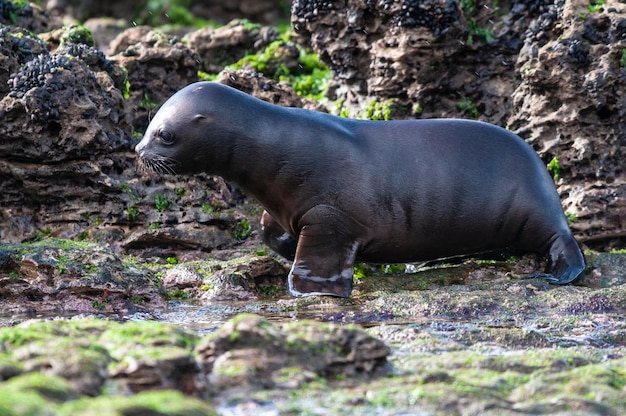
x,y
224,45
255,84
158,65
571,104
28,15
222,12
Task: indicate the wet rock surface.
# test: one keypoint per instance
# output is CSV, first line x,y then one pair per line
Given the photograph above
x,y
64,277
475,338
79,357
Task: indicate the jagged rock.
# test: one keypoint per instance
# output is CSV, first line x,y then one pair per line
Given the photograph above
x,y
237,279
158,65
71,277
17,46
255,84
28,16
65,122
62,108
261,11
225,45
249,352
571,105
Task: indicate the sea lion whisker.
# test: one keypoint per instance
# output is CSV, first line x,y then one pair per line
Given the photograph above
x,y
167,164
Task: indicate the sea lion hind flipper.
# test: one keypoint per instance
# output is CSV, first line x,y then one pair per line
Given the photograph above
x,y
276,238
566,261
324,263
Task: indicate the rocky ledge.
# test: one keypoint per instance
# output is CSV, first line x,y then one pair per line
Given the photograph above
x,y
84,236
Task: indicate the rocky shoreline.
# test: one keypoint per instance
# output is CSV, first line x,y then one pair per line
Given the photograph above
x,y
130,294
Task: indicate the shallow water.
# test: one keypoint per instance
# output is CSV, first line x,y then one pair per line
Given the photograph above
x,y
207,318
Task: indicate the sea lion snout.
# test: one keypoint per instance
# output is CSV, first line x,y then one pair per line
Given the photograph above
x,y
139,147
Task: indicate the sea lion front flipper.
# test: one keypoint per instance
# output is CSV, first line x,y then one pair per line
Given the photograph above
x,y
327,248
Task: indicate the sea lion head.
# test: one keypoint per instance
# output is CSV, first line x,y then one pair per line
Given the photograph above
x,y
177,140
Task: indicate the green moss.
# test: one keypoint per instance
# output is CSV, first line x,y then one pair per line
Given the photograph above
x,y
309,80
468,6
393,268
177,294
269,291
468,107
554,167
204,76
242,230
162,402
51,388
622,60
361,270
169,12
378,110
77,34
595,6
483,34
148,333
161,203
17,403
132,214
147,103
62,243
126,91
18,5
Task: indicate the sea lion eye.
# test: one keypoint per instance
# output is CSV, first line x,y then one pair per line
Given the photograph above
x,y
165,137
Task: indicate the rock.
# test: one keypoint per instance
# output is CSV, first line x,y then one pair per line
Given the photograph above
x,y
241,278
225,45
18,46
164,402
607,270
255,84
580,122
249,352
131,358
261,11
67,277
150,355
150,57
104,30
28,16
69,107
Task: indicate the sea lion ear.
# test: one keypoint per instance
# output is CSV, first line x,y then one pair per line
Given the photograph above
x,y
199,117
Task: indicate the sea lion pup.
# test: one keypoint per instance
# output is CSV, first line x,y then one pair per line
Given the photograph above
x,y
336,190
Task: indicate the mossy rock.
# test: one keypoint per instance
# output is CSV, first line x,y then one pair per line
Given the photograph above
x,y
153,403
